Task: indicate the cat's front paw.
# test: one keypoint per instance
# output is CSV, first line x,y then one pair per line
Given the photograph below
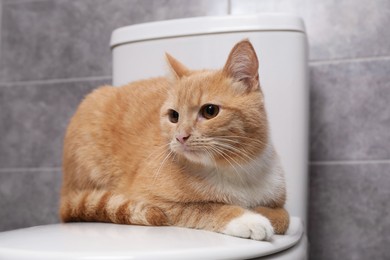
x,y
250,225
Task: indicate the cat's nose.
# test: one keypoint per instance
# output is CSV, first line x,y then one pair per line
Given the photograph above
x,y
182,138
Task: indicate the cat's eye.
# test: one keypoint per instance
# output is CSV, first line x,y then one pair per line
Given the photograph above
x,y
173,116
209,111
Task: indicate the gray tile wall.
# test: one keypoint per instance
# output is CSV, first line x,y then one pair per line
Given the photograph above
x,y
349,44
53,52
1,11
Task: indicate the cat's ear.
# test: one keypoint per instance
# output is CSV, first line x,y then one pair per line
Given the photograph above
x,y
177,68
242,65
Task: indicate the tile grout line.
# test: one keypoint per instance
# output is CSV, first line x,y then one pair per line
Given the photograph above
x,y
349,162
1,25
45,169
54,81
229,7
21,2
338,61
108,77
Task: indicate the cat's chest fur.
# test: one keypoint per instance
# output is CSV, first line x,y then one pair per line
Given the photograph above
x,y
249,185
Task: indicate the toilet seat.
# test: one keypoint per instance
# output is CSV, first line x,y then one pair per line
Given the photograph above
x,y
111,241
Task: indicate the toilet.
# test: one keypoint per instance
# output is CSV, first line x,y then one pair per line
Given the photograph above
x,y
203,42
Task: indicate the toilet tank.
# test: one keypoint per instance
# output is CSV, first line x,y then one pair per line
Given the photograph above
x,y
205,42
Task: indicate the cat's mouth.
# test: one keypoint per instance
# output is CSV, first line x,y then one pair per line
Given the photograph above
x,y
191,153
188,150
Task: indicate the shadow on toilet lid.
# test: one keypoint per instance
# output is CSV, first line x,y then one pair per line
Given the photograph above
x,y
111,241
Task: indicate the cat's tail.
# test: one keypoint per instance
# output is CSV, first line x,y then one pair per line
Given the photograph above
x,y
104,206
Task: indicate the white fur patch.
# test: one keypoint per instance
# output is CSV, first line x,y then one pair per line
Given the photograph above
x,y
250,225
249,185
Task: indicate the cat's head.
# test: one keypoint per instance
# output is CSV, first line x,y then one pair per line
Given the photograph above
x,y
216,118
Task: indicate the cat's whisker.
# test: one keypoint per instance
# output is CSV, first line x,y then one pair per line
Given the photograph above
x,y
211,155
229,159
174,157
161,165
225,148
237,153
216,151
229,143
160,156
233,144
250,159
161,149
234,139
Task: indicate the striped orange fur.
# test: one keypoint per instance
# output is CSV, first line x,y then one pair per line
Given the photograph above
x,y
190,150
104,206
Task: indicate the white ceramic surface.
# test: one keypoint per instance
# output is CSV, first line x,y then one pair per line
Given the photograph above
x,y
206,25
110,241
281,45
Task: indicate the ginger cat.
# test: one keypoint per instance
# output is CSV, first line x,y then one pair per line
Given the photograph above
x,y
192,151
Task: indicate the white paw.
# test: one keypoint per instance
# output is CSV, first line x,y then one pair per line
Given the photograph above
x,y
250,225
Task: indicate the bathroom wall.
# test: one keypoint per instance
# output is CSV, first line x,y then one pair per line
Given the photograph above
x,y
53,52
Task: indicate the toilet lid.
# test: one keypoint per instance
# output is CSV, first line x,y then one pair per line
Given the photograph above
x,y
111,241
